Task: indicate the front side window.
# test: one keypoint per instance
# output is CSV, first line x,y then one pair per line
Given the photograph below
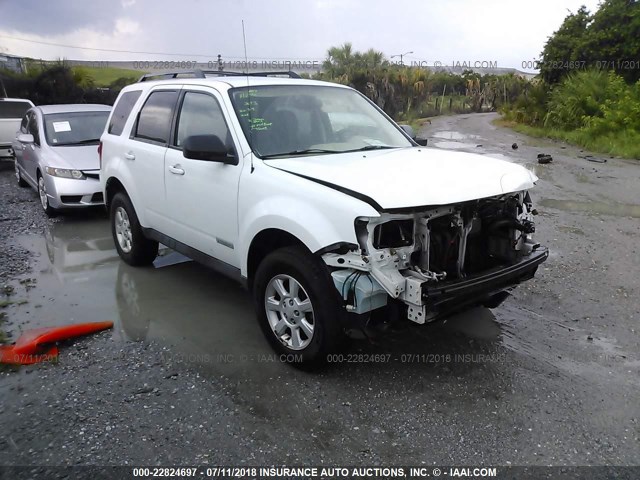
x,y
25,123
201,115
74,128
154,121
33,129
122,110
280,120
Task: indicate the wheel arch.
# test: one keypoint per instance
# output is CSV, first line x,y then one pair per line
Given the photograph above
x,y
112,186
265,242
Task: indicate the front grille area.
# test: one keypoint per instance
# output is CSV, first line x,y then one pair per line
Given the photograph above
x,y
95,176
71,198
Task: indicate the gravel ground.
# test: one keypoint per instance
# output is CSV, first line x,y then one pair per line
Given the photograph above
x,y
549,378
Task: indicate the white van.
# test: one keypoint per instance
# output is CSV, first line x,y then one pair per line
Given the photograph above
x,y
11,112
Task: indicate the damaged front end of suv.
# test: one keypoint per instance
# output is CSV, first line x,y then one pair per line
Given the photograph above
x,y
439,259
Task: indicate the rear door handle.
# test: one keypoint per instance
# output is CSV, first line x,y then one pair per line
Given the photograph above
x,y
176,170
130,156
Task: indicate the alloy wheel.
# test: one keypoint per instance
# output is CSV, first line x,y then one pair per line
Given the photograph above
x,y
289,312
123,230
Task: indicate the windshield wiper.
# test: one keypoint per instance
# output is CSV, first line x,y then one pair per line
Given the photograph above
x,y
308,151
81,142
371,147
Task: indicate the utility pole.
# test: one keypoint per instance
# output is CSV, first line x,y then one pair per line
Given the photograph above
x,y
401,55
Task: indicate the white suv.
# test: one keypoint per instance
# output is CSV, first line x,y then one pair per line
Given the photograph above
x,y
314,199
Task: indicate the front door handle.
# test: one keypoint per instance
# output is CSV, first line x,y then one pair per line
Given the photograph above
x,y
130,156
176,170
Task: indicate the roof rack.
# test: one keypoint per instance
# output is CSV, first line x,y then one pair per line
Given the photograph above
x,y
203,74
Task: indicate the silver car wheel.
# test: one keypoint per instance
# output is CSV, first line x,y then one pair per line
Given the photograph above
x,y
123,230
289,312
42,191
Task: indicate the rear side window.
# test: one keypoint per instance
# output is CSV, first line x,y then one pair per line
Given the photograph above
x,y
12,109
122,110
154,120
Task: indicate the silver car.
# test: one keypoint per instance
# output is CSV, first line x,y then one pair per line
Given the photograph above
x,y
56,153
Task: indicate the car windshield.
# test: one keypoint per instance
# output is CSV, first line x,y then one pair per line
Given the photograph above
x,y
74,128
286,120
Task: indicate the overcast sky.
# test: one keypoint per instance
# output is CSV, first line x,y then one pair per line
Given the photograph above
x,y
508,32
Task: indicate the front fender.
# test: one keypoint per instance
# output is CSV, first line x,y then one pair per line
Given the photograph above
x,y
314,225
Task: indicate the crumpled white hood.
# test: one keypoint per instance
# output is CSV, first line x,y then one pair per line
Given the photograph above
x,y
412,177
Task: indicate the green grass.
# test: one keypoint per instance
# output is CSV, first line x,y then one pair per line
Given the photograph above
x,y
623,144
104,76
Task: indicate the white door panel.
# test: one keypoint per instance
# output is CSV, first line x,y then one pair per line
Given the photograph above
x,y
146,162
202,201
202,196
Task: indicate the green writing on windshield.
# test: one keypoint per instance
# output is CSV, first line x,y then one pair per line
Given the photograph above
x,y
259,124
247,94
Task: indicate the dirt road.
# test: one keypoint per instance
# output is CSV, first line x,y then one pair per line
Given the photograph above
x,y
549,378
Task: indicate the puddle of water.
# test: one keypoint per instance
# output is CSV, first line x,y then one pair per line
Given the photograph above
x,y
593,207
453,145
80,278
74,266
453,135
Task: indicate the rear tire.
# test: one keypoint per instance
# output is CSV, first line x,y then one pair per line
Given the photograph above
x,y
133,247
21,182
298,306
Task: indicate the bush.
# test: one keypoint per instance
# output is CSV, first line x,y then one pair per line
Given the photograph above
x,y
594,109
580,97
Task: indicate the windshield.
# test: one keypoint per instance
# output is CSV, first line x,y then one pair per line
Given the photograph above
x,y
74,128
286,120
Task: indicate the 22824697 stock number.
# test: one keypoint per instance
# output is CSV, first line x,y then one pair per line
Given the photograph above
x,y
165,472
358,358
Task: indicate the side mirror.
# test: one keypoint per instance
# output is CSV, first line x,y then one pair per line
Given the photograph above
x,y
408,129
207,147
26,138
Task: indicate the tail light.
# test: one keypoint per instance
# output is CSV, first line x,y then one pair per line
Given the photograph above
x,y
100,153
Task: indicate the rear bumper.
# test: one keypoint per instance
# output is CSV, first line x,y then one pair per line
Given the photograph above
x,y
485,284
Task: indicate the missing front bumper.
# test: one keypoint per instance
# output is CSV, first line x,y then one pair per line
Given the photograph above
x,y
443,297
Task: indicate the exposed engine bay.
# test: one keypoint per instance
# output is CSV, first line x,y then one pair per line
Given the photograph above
x,y
431,258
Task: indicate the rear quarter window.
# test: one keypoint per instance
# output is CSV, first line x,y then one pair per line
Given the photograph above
x,y
122,110
13,109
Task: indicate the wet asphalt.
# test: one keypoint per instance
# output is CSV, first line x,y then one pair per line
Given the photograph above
x,y
551,377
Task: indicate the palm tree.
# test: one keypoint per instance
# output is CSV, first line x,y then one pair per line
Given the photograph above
x,y
340,60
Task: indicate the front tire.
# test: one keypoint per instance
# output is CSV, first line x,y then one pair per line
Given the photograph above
x,y
298,306
21,182
133,247
44,198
